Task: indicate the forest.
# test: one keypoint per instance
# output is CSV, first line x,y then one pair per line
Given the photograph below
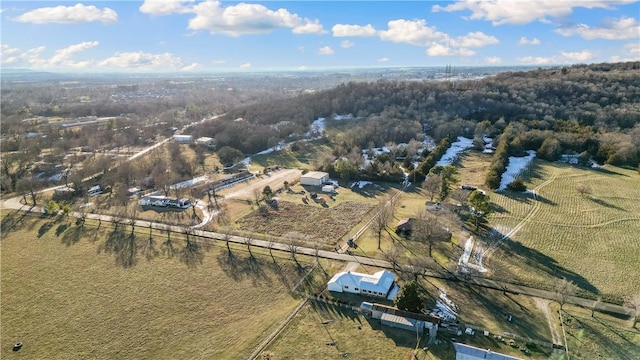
x,y
591,109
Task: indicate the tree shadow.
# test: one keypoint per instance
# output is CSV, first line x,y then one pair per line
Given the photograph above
x,y
606,204
545,263
240,268
61,228
11,221
192,254
122,245
72,236
44,228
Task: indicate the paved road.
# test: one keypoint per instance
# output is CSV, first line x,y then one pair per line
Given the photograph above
x,y
14,203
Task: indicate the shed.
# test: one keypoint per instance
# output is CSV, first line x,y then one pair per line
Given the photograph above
x,y
315,178
329,189
405,226
204,141
183,139
468,352
402,322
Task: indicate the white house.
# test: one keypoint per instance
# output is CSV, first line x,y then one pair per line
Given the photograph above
x,y
183,139
315,178
160,201
204,141
381,284
467,352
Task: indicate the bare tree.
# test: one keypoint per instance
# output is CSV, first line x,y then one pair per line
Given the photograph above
x,y
432,185
633,302
595,305
427,229
583,189
393,255
382,218
563,288
293,248
28,186
257,196
419,266
248,240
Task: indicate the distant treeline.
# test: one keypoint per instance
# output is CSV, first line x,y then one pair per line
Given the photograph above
x,y
592,108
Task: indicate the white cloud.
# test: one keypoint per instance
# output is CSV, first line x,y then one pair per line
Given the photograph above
x,y
165,7
384,60
443,50
142,61
474,40
525,41
64,58
327,50
616,29
309,27
78,13
414,32
493,60
539,60
564,57
343,30
501,12
194,66
245,65
580,56
633,48
244,19
346,44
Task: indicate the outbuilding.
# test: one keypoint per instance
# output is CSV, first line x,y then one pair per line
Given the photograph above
x,y
183,139
468,352
314,178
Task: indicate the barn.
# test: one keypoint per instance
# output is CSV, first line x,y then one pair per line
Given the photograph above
x,y
314,178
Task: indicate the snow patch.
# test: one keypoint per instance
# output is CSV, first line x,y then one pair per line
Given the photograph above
x,y
445,308
361,184
515,168
456,148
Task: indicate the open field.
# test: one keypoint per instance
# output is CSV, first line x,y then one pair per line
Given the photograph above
x,y
590,239
599,337
63,296
306,337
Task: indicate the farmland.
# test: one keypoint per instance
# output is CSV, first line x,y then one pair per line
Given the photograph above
x,y
63,296
589,236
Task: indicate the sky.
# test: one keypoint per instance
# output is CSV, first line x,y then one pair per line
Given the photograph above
x,y
210,35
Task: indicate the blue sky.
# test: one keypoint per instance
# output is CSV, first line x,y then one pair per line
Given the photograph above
x,y
208,35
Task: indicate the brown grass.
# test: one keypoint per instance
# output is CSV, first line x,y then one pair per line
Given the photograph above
x,y
63,297
312,222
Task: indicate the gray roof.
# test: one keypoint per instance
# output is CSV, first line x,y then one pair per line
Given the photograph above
x,y
481,353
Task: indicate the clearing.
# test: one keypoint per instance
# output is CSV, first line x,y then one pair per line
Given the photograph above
x,y
63,296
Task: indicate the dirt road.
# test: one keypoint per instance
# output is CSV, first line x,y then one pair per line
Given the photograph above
x,y
274,180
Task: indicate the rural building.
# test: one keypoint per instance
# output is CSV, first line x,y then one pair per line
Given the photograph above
x,y
64,192
315,178
394,317
94,190
160,201
380,284
329,189
205,141
467,352
405,226
183,139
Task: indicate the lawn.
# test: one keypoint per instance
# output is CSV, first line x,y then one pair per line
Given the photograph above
x,y
68,293
319,324
590,238
599,337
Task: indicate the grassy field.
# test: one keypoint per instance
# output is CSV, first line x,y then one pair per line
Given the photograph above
x,y
590,239
64,296
599,337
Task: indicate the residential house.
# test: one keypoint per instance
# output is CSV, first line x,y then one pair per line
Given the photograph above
x,y
380,284
183,139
